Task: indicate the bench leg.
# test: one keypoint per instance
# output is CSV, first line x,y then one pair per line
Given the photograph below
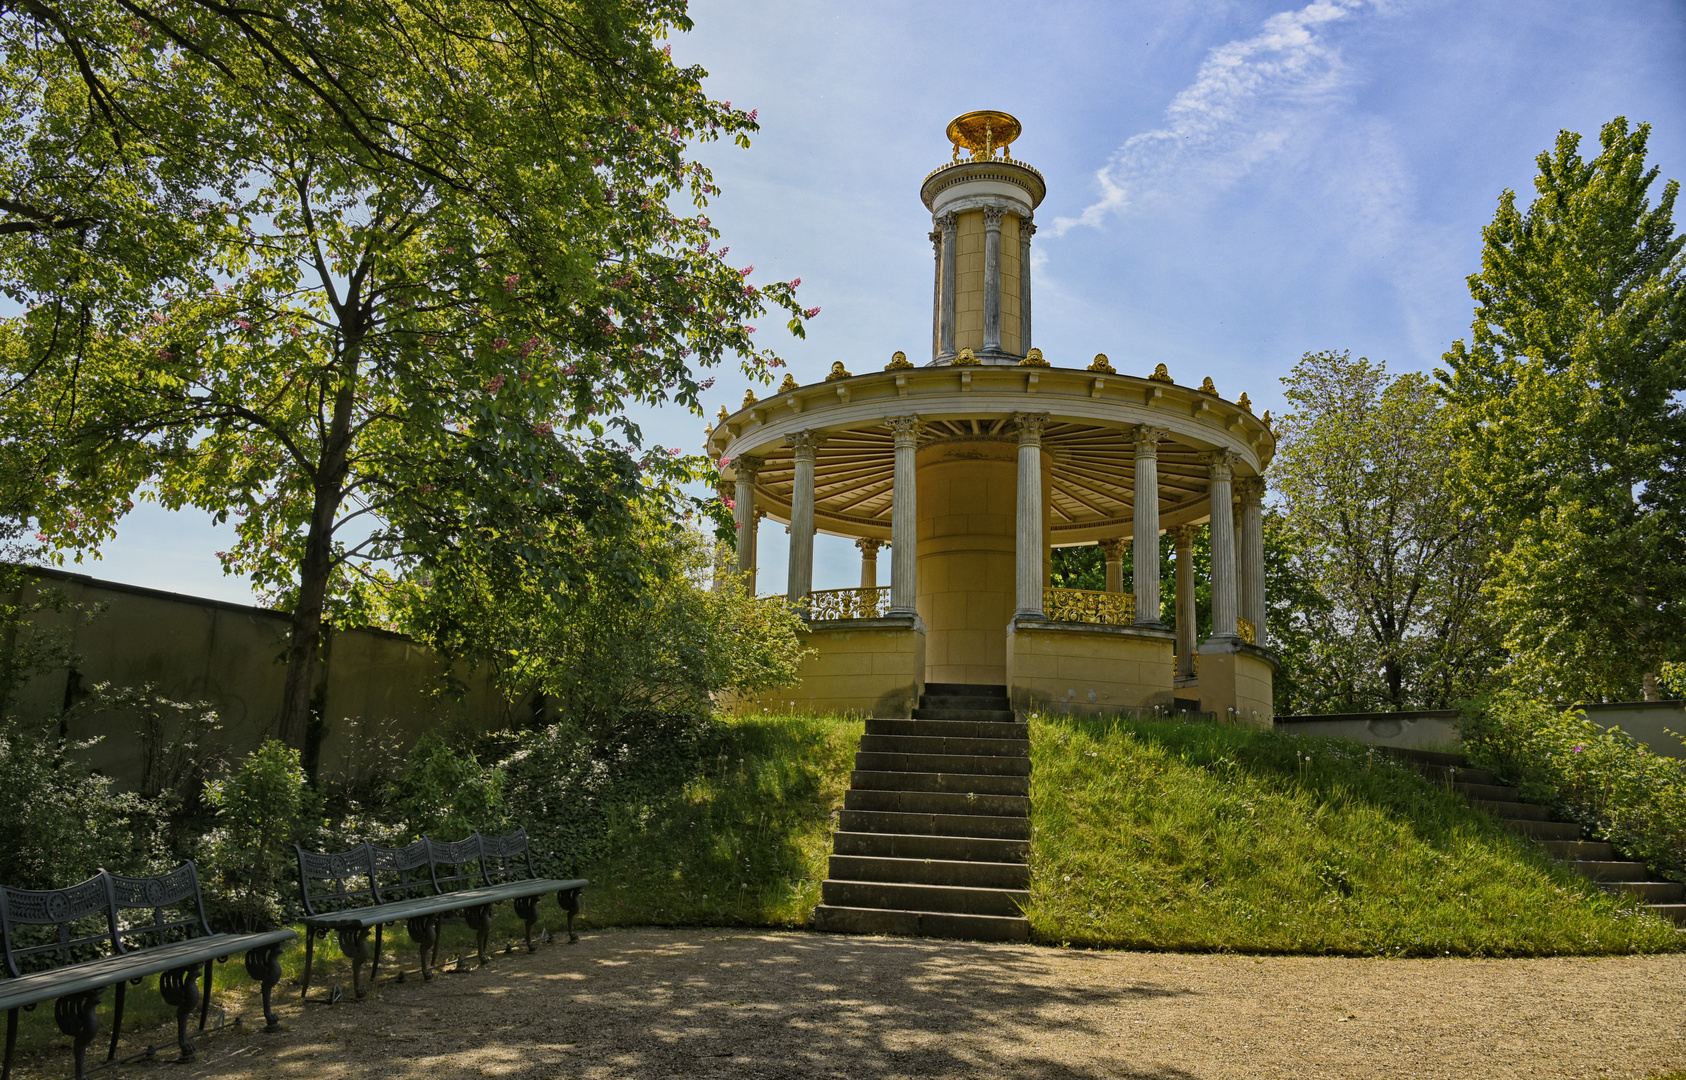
x,y
181,989
205,1005
480,918
375,962
75,1016
570,903
116,1020
355,945
264,966
11,1041
424,931
310,936
528,909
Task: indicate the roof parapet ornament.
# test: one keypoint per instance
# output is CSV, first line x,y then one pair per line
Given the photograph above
x,y
965,359
837,372
898,360
982,133
1033,358
1244,402
1102,364
1209,387
789,383
1160,374
748,398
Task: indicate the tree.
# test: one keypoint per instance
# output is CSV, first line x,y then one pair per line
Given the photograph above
x,y
1370,515
392,325
1571,431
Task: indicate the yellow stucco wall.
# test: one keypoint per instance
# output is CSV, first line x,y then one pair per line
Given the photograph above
x,y
1092,671
1010,341
969,281
1237,679
876,669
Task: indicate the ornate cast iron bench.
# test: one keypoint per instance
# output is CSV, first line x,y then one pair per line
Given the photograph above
x,y
371,887
70,944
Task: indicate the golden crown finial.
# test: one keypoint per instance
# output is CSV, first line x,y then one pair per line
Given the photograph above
x,y
1102,364
965,359
1033,358
789,383
1244,402
982,133
837,372
1160,374
898,360
1208,387
748,398
723,414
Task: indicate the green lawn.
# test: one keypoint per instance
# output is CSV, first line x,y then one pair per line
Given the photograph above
x,y
1195,836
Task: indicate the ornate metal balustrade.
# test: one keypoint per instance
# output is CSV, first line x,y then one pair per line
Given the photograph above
x,y
1089,606
849,603
1248,632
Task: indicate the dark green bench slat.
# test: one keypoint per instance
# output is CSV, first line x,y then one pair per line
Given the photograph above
x,y
399,910
93,974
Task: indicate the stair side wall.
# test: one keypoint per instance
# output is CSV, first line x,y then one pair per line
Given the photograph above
x,y
866,667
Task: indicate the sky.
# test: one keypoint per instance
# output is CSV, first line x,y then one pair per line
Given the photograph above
x,y
1230,185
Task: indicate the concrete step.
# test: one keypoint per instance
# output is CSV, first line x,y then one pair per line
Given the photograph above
x,y
936,802
996,716
980,825
921,744
1677,912
963,872
1545,830
1652,892
1513,811
951,898
957,701
1488,792
974,783
1452,774
1611,870
980,727
916,846
851,920
964,689
979,764
1568,850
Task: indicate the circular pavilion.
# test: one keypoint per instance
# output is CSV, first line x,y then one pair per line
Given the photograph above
x,y
973,467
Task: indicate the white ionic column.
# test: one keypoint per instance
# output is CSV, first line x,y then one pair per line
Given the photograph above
x,y
1145,542
904,518
937,294
1026,228
746,467
1188,612
1113,549
1028,553
1252,489
1220,466
869,562
992,280
945,317
802,445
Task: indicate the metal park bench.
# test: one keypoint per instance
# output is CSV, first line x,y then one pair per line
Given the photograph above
x,y
70,944
372,887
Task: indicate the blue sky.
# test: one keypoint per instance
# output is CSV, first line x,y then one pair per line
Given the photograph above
x,y
1230,185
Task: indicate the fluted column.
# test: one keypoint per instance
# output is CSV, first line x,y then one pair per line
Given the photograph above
x,y
945,316
1188,611
1251,489
992,280
801,580
1220,467
1113,549
1026,228
1145,544
1028,553
746,467
869,562
937,294
904,518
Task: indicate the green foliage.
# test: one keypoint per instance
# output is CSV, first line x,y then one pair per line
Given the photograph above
x,y
446,794
263,808
1189,836
1370,522
1599,776
1571,436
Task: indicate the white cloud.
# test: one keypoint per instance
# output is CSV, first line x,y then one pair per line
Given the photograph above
x,y
1246,101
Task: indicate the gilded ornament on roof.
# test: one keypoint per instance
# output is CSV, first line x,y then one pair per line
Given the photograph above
x,y
1033,358
1101,364
723,414
1243,402
982,133
789,383
837,372
899,360
965,359
1160,374
1208,387
748,398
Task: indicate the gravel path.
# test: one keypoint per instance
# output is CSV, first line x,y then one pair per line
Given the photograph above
x,y
659,1003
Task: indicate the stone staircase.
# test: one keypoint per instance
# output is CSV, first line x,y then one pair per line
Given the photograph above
x,y
935,831
1563,840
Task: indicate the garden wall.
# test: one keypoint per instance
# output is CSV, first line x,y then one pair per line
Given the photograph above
x,y
1647,722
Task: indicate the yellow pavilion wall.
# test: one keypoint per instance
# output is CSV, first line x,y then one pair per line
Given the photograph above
x,y
969,282
1055,667
868,667
1238,681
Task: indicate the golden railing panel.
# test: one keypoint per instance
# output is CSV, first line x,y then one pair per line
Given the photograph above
x,y
1248,632
849,603
1089,606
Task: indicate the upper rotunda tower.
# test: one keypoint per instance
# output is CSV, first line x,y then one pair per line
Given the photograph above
x,y
983,206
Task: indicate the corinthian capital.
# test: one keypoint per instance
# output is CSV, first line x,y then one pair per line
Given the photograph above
x,y
1220,464
1183,536
747,465
945,223
803,443
1114,548
1147,439
1029,427
993,216
869,547
905,428
1251,490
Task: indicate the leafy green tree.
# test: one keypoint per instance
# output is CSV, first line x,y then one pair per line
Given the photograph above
x,y
1370,516
263,807
1571,431
394,323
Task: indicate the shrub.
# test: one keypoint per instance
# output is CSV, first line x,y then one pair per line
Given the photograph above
x,y
445,793
1598,776
263,807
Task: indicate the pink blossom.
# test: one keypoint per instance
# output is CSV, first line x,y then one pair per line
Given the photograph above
x,y
674,452
753,113
243,324
41,537
749,329
165,355
746,271
527,348
811,312
795,283
725,461
543,427
510,282
499,344
293,331
570,369
157,316
495,384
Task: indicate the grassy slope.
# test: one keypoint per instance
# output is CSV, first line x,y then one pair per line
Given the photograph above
x,y
1175,835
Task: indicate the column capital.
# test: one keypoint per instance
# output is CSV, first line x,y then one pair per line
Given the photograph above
x,y
1220,464
1027,229
1114,547
746,465
906,429
869,547
803,444
1183,535
759,514
1029,427
1251,490
1147,439
945,223
992,217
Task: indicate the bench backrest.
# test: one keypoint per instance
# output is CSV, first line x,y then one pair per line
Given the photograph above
x,y
404,873
457,865
51,928
506,858
173,907
335,882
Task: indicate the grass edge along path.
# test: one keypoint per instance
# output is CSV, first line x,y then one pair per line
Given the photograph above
x,y
1190,836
